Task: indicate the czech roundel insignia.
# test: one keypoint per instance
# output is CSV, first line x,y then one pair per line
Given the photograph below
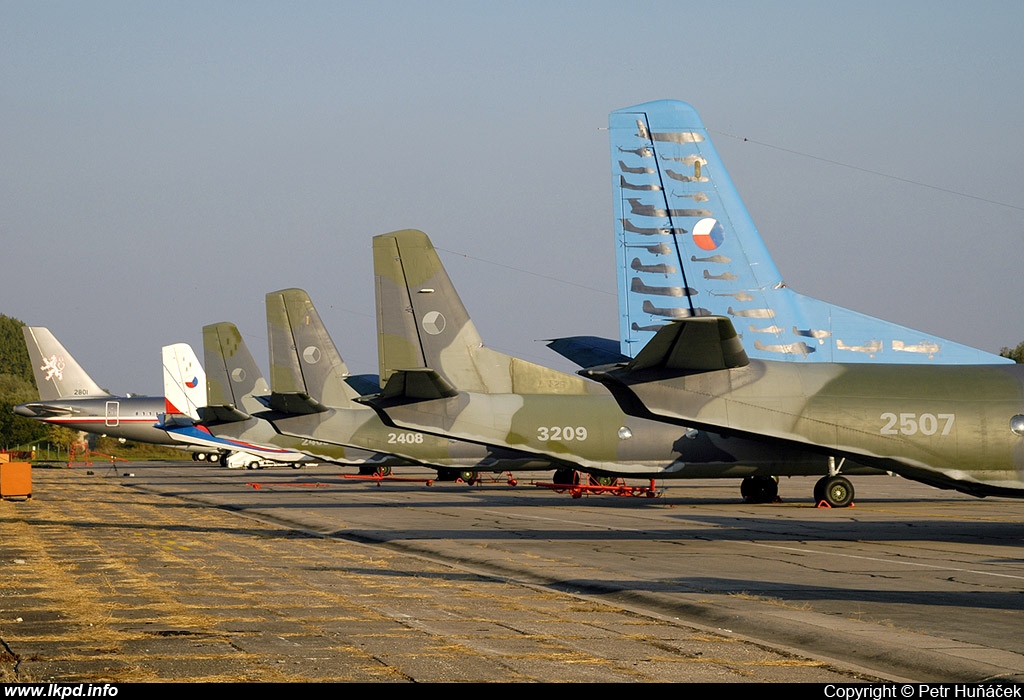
x,y
708,234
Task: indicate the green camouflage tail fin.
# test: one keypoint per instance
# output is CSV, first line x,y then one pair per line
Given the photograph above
x,y
305,366
232,376
421,322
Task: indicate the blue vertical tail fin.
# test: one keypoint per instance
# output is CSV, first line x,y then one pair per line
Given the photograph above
x,y
686,246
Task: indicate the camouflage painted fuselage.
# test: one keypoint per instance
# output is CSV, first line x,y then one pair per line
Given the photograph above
x,y
592,433
312,402
496,399
359,431
950,426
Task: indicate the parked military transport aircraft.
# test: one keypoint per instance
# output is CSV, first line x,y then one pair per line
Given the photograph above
x,y
69,397
314,402
441,379
954,427
686,246
226,425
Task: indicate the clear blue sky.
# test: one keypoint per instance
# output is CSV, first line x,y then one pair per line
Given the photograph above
x,y
165,165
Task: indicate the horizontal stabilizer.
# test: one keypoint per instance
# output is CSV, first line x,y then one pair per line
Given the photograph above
x,y
222,414
588,350
43,410
295,403
174,420
364,383
701,344
420,384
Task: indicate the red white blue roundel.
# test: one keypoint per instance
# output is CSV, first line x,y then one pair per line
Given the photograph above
x,y
708,234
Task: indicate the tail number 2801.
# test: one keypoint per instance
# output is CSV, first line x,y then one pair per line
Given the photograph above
x,y
914,423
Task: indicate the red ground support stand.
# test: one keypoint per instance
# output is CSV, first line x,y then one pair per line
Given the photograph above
x,y
489,478
584,483
379,476
308,485
80,450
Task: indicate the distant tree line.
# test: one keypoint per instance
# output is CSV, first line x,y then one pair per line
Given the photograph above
x,y
1016,354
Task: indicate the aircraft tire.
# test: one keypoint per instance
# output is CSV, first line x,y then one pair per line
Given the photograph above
x,y
837,491
468,476
447,474
384,471
604,480
759,489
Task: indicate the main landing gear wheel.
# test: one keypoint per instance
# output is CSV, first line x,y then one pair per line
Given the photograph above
x,y
759,489
836,491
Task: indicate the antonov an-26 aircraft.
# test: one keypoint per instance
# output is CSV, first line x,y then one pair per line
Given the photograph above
x,y
955,427
441,379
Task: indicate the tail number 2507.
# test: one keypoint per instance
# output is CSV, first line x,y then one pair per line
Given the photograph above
x,y
914,423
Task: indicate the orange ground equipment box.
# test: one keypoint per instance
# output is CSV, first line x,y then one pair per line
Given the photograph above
x,y
16,481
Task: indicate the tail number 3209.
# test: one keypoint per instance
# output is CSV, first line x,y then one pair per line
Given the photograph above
x,y
914,423
564,433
